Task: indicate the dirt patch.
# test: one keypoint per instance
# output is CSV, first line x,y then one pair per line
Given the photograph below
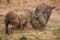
x,y
28,32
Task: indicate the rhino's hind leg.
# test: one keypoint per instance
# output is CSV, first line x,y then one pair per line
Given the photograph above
x,y
24,25
6,27
19,26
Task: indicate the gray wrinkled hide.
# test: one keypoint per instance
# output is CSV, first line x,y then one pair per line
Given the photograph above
x,y
41,15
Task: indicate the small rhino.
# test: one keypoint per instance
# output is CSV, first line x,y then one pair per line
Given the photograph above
x,y
41,15
18,18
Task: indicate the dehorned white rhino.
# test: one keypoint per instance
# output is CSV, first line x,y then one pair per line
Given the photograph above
x,y
18,18
41,15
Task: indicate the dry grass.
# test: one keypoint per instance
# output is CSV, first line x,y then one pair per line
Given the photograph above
x,y
31,34
51,31
2,19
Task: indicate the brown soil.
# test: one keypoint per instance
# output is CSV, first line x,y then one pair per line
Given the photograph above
x,y
46,34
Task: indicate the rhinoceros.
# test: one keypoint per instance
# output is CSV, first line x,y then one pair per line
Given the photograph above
x,y
41,15
18,18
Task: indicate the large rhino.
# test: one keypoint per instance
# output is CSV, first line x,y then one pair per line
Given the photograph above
x,y
41,15
18,18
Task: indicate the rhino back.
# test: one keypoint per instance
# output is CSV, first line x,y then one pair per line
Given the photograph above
x,y
12,18
24,15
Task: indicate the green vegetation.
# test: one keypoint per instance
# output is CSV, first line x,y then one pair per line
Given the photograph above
x,y
6,38
15,39
57,30
22,38
0,38
30,39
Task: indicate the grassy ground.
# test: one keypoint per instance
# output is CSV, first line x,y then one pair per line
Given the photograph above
x,y
50,32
